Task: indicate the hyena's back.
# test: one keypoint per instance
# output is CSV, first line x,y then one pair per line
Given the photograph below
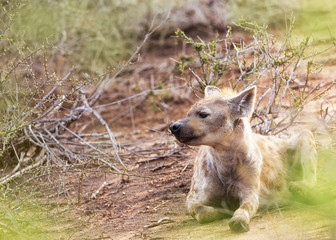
x,y
286,163
274,166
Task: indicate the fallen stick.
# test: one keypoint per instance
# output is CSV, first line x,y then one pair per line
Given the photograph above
x,y
94,195
163,220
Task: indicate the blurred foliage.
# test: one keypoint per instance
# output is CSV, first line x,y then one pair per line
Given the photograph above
x,y
317,18
90,34
322,197
97,34
22,217
269,12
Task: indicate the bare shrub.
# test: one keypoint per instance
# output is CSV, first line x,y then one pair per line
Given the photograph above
x,y
37,114
282,72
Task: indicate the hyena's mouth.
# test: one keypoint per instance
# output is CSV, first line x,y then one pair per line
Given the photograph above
x,y
186,139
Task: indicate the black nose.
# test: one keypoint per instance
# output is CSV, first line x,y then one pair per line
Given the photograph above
x,y
175,127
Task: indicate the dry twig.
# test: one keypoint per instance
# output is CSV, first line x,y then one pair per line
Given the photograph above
x,y
163,220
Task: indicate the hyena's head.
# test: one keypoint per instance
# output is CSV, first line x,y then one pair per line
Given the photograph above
x,y
212,118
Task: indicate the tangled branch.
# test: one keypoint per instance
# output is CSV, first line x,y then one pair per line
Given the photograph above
x,y
46,123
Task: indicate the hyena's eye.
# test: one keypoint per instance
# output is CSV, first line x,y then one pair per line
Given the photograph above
x,y
203,114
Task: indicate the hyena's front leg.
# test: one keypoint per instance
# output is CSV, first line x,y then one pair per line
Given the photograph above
x,y
249,204
205,189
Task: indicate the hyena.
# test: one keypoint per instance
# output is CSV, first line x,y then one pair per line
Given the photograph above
x,y
236,170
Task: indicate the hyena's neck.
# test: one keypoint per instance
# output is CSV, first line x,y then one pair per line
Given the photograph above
x,y
240,140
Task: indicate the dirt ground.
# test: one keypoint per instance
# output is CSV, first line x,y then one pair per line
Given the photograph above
x,y
148,201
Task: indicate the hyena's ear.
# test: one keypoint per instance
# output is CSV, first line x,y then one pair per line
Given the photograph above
x,y
242,105
209,90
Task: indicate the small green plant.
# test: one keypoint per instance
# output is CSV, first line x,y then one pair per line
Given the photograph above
x,y
282,71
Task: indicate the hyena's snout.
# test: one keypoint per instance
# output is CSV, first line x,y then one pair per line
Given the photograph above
x,y
179,130
175,127
183,132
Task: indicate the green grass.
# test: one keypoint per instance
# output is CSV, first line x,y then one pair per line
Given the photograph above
x,y
22,219
26,213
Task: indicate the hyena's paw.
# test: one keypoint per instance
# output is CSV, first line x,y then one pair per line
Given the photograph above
x,y
239,224
206,214
299,188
